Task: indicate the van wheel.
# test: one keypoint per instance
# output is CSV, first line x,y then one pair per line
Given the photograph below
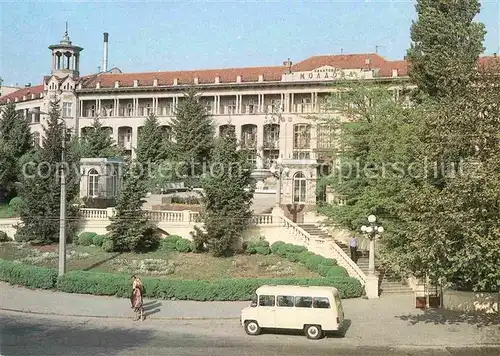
x,y
313,332
252,328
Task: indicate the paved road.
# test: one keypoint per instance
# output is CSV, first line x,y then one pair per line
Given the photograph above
x,y
31,335
388,321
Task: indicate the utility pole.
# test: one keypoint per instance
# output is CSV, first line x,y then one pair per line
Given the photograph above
x,y
62,217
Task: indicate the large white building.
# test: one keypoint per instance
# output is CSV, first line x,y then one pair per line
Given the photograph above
x,y
269,107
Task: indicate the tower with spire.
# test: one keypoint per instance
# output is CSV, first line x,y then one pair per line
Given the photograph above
x,y
65,58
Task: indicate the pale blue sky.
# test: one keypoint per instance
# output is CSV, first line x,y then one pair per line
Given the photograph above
x,y
175,35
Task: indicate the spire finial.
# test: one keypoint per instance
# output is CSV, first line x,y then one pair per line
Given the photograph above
x,y
65,39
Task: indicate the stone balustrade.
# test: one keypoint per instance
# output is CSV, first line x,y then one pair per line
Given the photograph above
x,y
320,246
94,214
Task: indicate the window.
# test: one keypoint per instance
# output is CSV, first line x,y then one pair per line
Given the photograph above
x,y
114,183
36,139
93,185
226,129
271,135
301,136
266,300
325,135
299,187
67,109
230,107
321,303
249,136
303,302
285,301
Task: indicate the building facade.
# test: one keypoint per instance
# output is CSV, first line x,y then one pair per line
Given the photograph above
x,y
273,109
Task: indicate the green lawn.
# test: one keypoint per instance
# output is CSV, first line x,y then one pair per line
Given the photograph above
x,y
172,265
6,212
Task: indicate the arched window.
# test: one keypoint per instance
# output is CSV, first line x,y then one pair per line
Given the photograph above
x,y
36,139
299,188
93,183
114,183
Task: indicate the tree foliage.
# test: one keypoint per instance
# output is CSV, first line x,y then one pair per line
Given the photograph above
x,y
97,142
193,131
15,141
446,43
130,229
154,152
227,200
40,188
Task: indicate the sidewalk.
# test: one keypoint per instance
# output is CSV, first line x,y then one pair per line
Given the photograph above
x,y
390,320
56,303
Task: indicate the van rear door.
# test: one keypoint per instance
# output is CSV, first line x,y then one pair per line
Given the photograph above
x,y
340,310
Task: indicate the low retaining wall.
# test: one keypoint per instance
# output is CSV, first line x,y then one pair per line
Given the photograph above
x,y
471,301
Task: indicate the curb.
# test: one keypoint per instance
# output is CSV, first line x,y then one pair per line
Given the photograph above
x,y
180,318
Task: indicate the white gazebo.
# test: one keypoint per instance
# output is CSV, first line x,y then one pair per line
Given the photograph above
x,y
100,177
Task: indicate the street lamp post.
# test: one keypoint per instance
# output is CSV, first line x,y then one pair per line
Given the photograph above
x,y
62,215
372,231
62,204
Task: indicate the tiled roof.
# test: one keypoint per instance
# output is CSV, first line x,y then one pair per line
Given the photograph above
x,y
37,90
205,76
229,75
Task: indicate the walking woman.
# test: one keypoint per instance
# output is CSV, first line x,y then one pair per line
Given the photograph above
x,y
136,300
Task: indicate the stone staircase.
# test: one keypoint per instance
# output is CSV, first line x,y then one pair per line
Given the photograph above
x,y
388,283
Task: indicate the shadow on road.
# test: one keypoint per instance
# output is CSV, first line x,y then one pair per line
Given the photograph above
x,y
443,316
54,337
151,308
329,335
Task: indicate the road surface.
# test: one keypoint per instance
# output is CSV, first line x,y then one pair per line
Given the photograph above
x,y
25,335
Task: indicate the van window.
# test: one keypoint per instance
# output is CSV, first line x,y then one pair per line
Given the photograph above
x,y
303,302
285,301
266,300
321,302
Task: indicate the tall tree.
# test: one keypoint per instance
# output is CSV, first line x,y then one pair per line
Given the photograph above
x,y
193,131
16,140
97,142
41,186
130,230
453,220
227,200
446,43
152,145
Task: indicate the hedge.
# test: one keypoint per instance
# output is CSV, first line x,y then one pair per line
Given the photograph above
x,y
326,267
32,277
119,285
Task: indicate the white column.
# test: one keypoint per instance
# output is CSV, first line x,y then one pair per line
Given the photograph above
x,y
258,103
293,103
260,145
117,112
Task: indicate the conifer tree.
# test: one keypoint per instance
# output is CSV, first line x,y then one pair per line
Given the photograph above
x,y
227,198
130,230
97,143
16,140
41,185
193,131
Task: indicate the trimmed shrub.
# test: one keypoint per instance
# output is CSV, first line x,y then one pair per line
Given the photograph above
x,y
275,246
86,238
32,277
108,244
184,245
336,271
221,290
169,243
15,203
97,240
4,237
260,247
